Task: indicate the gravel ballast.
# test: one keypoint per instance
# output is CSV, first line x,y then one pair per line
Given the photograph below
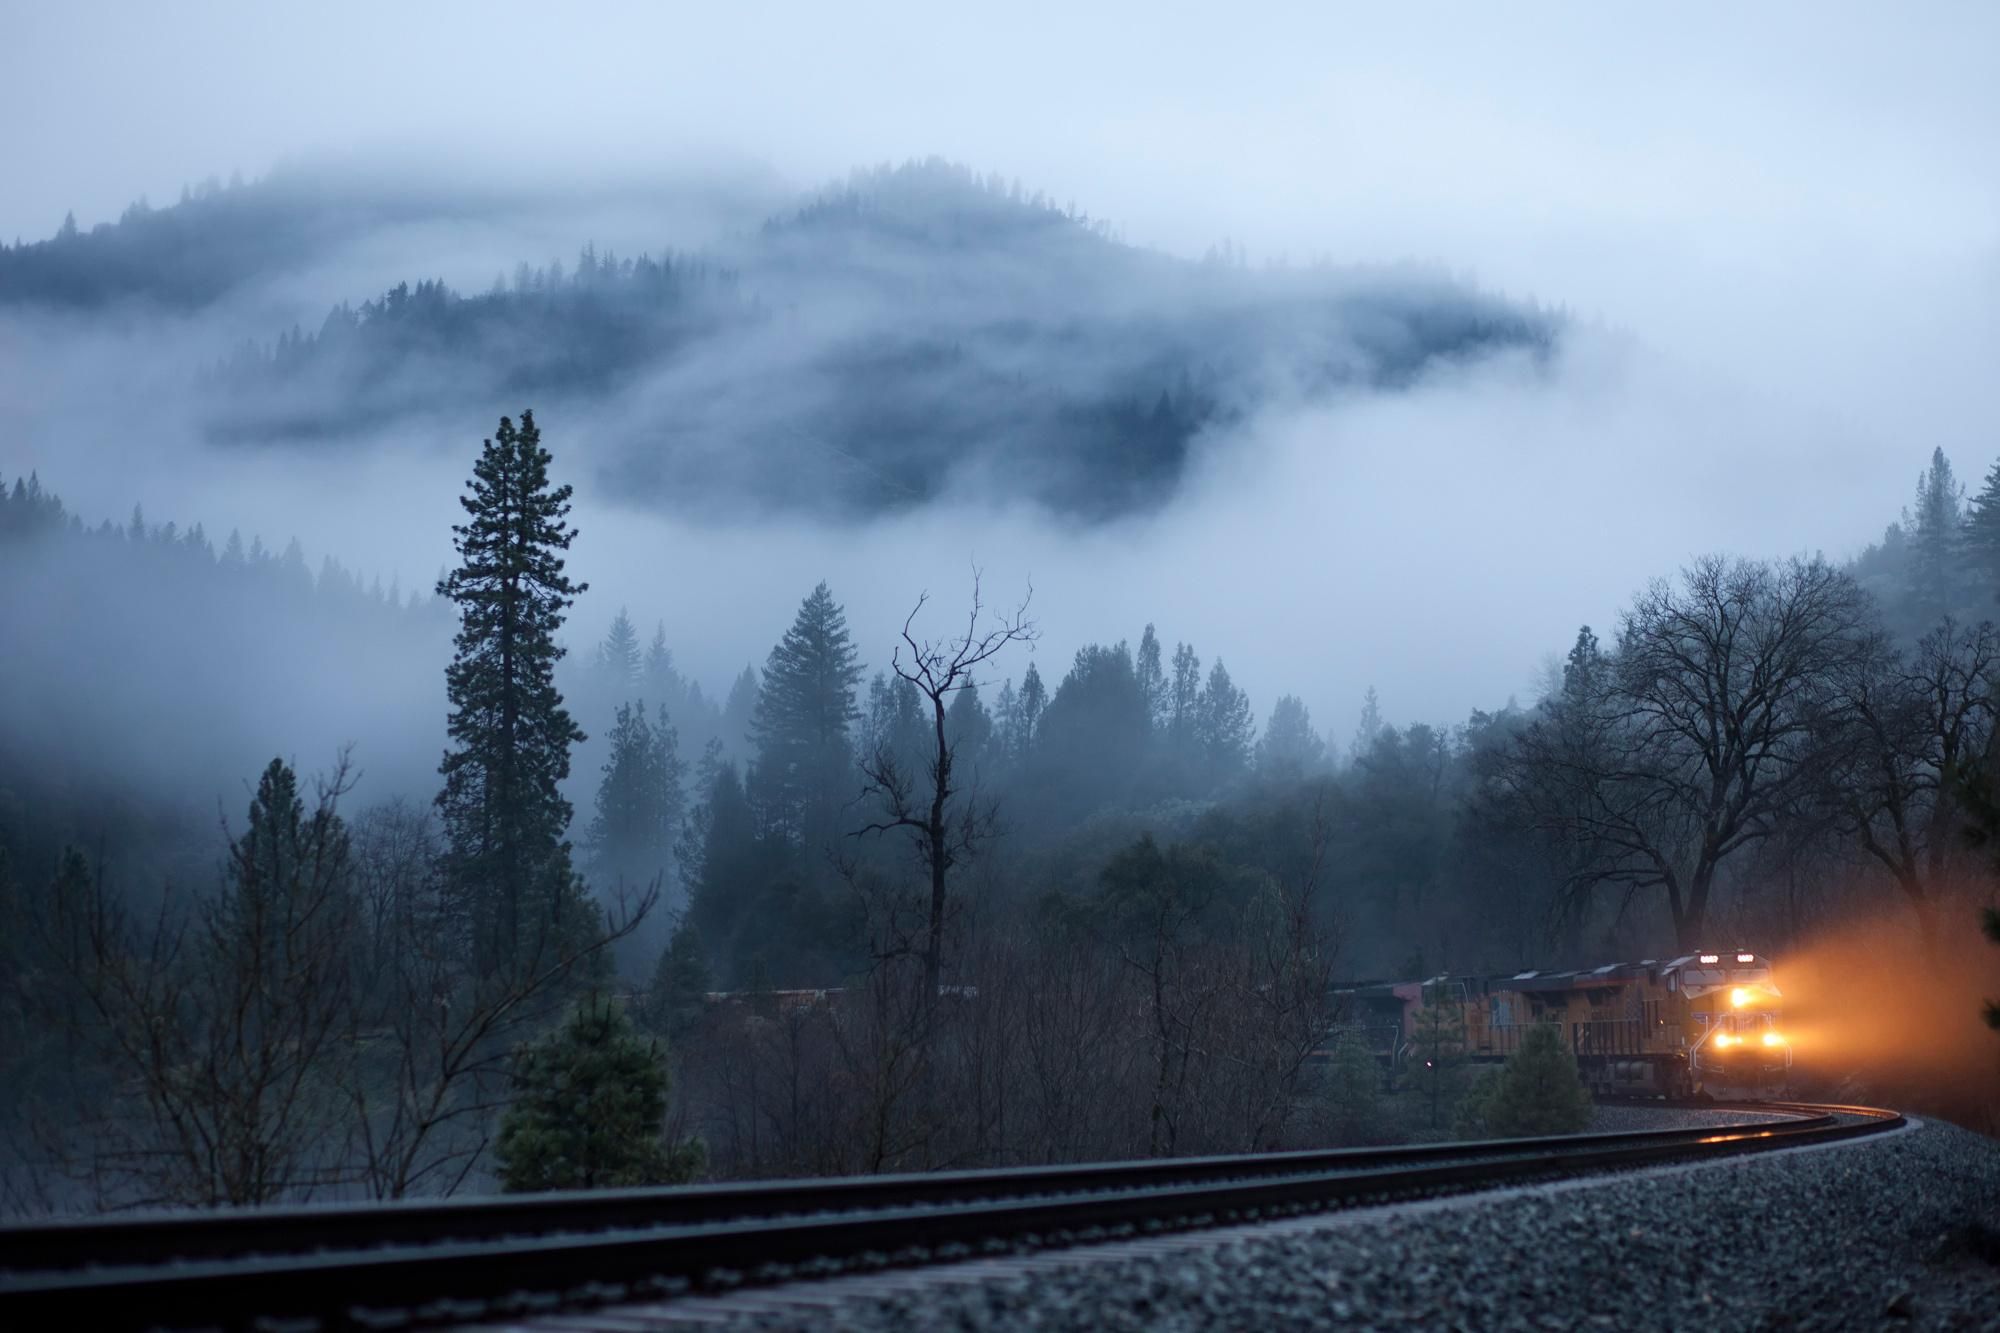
x,y
1897,1232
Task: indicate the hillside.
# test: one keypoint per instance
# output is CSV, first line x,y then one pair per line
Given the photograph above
x,y
910,333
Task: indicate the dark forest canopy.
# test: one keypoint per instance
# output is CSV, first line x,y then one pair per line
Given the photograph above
x,y
910,332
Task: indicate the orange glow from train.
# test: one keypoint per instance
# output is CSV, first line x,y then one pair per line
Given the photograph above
x,y
1740,996
1875,1013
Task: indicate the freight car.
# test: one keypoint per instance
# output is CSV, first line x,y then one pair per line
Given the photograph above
x,y
1701,1022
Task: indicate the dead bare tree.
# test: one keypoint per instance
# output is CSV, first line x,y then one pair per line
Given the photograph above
x,y
942,817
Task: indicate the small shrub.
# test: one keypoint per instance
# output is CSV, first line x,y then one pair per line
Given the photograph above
x,y
1537,1091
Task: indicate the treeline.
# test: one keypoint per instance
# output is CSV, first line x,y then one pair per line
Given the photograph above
x,y
148,665
906,918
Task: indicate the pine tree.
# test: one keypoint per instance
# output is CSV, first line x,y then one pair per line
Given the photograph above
x,y
681,982
1538,1091
1935,534
739,711
802,729
589,1109
1184,707
1152,678
723,862
502,804
1034,702
1368,728
1225,725
1289,748
969,728
1982,535
616,667
639,800
1007,723
1353,1092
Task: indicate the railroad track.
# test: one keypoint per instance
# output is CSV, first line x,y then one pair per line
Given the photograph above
x,y
416,1263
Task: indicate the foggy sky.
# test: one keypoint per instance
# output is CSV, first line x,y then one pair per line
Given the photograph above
x,y
1786,223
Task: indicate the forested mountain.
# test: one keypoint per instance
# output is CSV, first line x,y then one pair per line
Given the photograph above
x,y
912,332
219,240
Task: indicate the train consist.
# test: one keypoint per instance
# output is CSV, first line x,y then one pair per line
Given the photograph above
x,y
1706,1022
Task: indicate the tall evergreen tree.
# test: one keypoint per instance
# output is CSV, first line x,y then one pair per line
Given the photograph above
x,y
739,711
802,729
1227,725
503,810
1368,728
1183,707
969,727
1935,537
1034,700
1981,535
1152,677
1289,748
1006,723
639,800
618,662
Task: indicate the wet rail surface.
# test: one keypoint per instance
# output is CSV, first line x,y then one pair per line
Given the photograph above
x,y
416,1263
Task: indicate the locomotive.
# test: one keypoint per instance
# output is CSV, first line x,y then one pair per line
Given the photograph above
x,y
1701,1023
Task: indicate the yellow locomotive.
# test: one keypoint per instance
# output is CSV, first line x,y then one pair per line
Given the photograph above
x,y
1702,1022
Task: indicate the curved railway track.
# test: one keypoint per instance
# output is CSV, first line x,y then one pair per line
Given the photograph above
x,y
403,1264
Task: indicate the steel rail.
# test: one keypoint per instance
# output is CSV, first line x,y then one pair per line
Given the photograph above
x,y
232,1233
537,1251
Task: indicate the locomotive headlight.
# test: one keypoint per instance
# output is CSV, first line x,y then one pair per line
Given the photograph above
x,y
1739,997
1722,1041
1773,1039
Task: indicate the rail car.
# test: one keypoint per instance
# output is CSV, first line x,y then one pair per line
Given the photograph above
x,y
1701,1022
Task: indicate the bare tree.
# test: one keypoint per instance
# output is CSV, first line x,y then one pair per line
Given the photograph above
x,y
439,1031
1713,718
1911,726
943,829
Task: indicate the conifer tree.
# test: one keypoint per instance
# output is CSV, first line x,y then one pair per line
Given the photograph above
x,y
639,799
1982,535
1370,726
617,663
1225,725
1289,748
1152,678
739,710
723,861
681,982
802,728
1935,538
1184,707
589,1110
1353,1092
1034,701
1538,1091
503,810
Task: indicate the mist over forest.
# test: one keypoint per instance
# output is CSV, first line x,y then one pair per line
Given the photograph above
x,y
1074,653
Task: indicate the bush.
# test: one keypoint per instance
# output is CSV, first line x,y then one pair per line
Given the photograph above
x,y
1536,1092
1353,1092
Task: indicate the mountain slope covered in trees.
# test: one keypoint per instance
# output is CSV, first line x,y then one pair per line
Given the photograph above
x,y
911,333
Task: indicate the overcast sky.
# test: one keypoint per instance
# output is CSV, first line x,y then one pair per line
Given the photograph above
x,y
1794,208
